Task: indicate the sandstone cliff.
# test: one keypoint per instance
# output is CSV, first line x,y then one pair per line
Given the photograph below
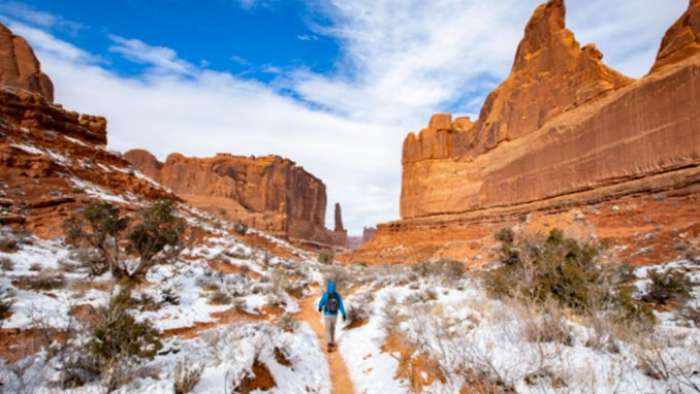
x,y
562,133
682,40
19,68
269,193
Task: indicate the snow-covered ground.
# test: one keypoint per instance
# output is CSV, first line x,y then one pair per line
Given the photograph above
x,y
477,340
447,322
225,352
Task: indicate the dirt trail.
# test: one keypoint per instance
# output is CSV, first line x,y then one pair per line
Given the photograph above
x,y
339,371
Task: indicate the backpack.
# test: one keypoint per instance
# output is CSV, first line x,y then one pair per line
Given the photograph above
x,y
332,303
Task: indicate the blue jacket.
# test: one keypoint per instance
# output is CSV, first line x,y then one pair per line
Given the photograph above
x,y
322,305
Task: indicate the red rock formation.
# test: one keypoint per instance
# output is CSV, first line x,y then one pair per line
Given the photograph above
x,y
682,40
338,218
269,193
19,68
564,133
551,74
53,161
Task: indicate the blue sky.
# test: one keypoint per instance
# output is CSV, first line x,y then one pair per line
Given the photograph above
x,y
335,85
250,40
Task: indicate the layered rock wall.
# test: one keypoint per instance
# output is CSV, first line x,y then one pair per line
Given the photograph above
x,y
269,193
53,161
564,132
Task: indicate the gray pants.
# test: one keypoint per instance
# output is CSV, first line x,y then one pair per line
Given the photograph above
x,y
330,328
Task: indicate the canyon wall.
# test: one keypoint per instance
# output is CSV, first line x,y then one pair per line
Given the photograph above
x,y
564,141
53,161
269,193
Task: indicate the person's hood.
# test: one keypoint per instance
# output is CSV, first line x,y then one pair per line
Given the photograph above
x,y
330,287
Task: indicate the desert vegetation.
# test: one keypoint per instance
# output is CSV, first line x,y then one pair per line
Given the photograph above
x,y
157,236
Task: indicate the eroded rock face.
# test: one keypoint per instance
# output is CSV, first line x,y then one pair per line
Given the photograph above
x,y
551,74
564,132
53,162
19,67
682,40
338,218
269,193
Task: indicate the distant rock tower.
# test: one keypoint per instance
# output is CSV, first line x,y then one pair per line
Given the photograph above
x,y
338,218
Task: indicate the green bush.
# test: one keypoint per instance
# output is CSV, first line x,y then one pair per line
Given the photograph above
x,y
447,270
117,336
100,227
564,270
158,228
669,286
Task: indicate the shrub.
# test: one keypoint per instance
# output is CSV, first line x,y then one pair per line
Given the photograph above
x,y
158,229
8,244
546,323
391,317
220,297
42,282
90,259
187,375
240,228
505,235
357,316
424,295
6,301
169,296
99,226
326,256
558,268
692,314
668,286
118,337
447,270
287,323
561,269
6,264
76,367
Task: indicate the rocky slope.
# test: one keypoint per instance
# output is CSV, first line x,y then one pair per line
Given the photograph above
x,y
53,161
564,141
269,193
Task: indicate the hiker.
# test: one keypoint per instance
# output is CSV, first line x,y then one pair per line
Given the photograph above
x,y
331,303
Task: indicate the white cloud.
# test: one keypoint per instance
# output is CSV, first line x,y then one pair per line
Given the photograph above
x,y
46,42
402,60
162,59
307,37
31,15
